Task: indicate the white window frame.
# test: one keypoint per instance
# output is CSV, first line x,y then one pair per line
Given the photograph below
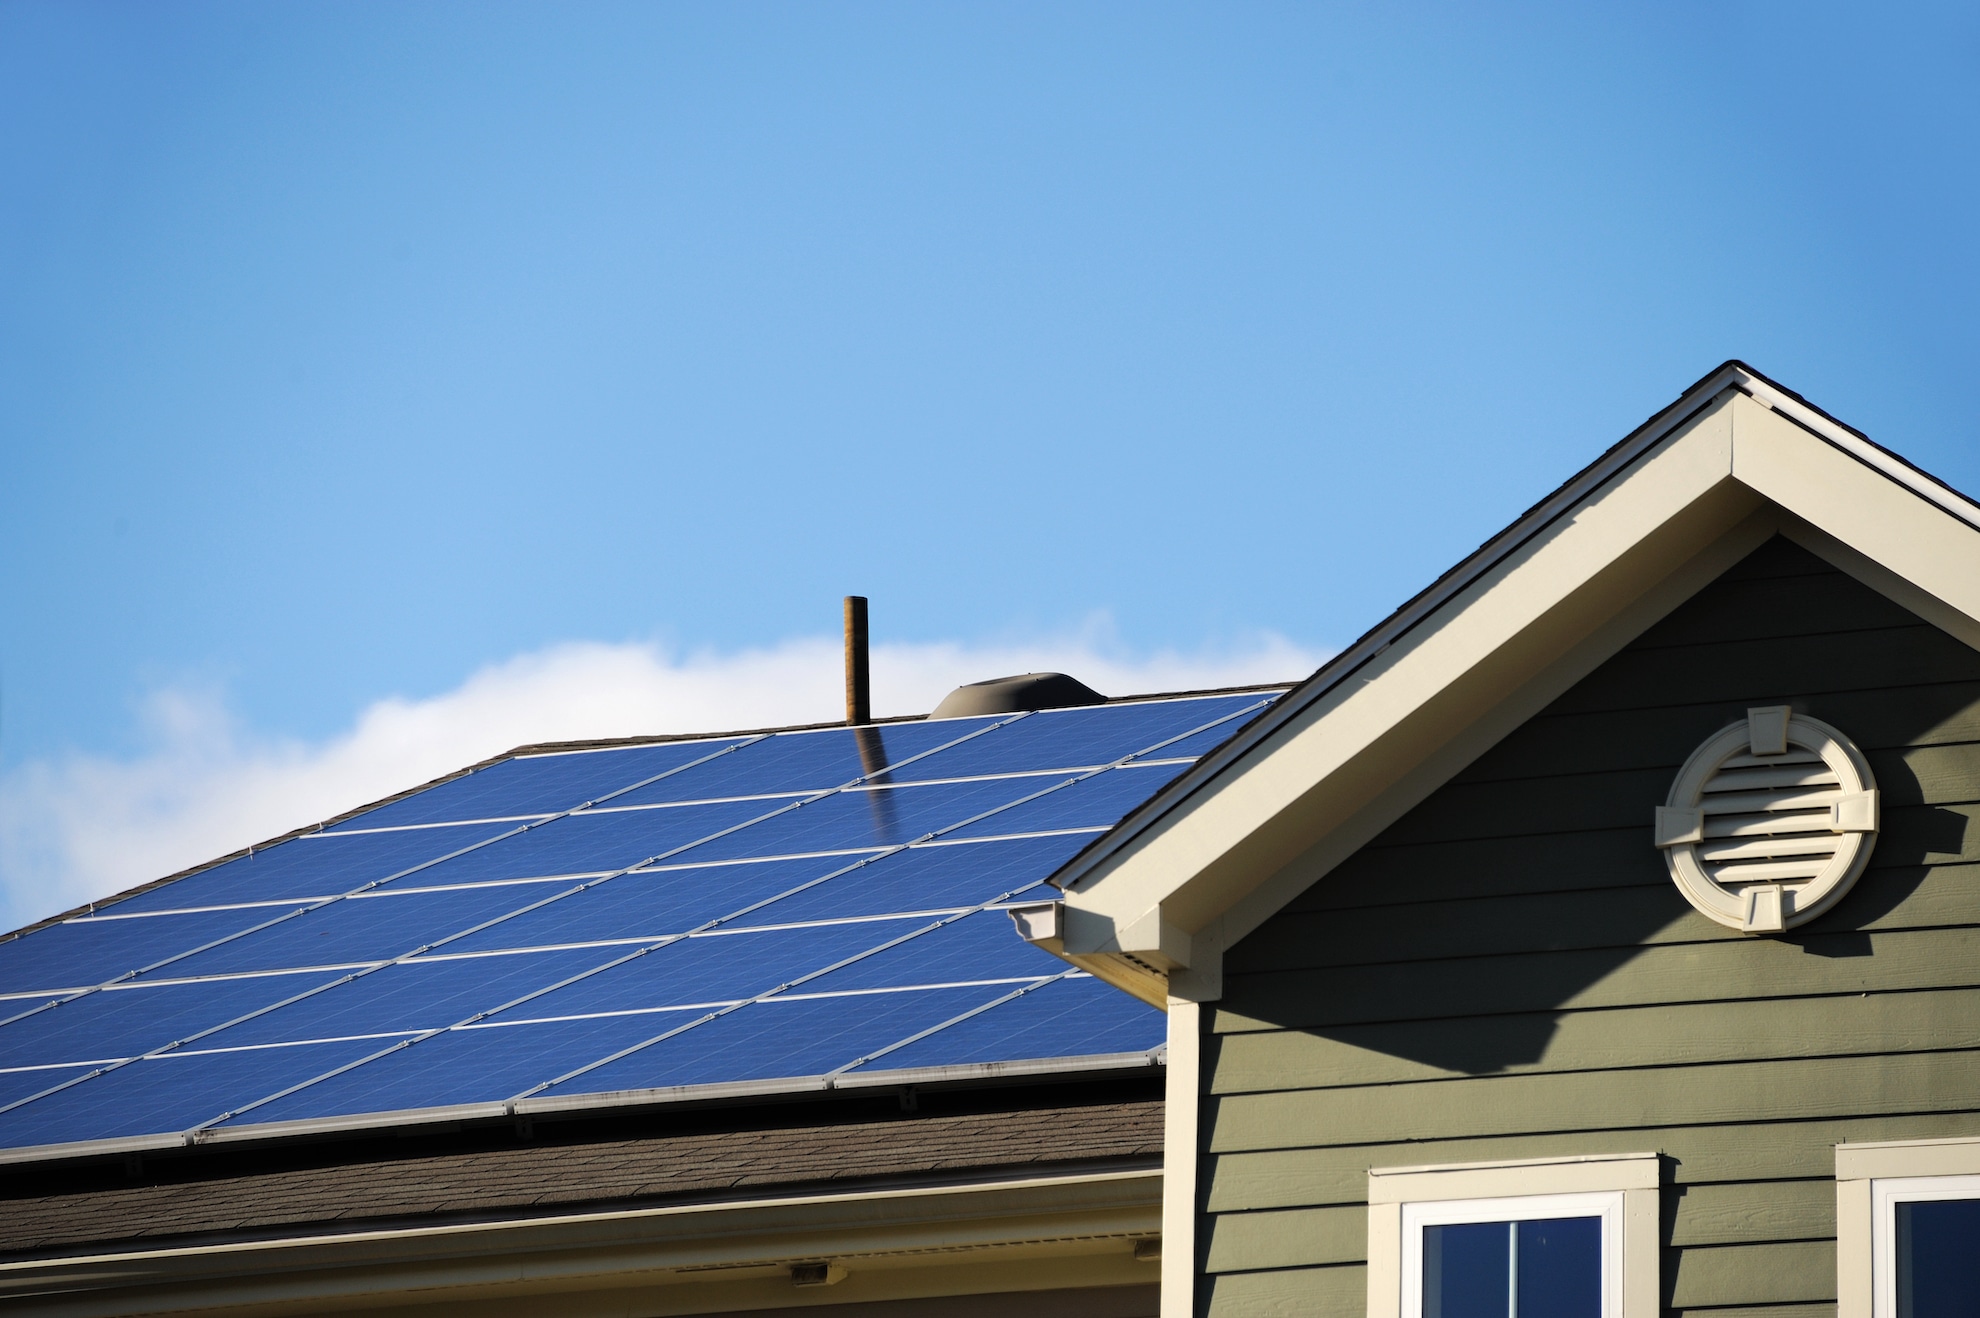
x,y
1619,1188
1607,1205
1871,1180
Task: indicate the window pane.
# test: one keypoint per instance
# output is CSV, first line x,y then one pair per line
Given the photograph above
x,y
1560,1268
1938,1251
1465,1270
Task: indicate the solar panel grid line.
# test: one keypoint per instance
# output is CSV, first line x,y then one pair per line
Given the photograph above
x,y
545,817
319,904
176,1044
312,905
715,754
142,970
1081,777
375,967
369,969
739,1005
568,892
778,990
953,1020
701,841
1123,760
932,837
192,1134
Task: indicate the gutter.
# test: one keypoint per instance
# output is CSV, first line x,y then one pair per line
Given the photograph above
x,y
1100,1215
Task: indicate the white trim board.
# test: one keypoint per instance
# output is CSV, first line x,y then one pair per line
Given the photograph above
x,y
1621,1187
1869,1179
1735,461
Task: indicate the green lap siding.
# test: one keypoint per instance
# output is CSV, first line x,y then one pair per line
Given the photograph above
x,y
1508,972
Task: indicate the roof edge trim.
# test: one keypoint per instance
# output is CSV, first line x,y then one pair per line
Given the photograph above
x,y
1733,375
581,1103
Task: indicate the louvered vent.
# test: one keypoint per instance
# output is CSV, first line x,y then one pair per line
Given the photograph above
x,y
1770,821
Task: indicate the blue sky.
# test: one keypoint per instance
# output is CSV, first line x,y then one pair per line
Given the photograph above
x,y
348,350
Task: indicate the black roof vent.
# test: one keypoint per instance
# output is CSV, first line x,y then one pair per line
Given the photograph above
x,y
1008,695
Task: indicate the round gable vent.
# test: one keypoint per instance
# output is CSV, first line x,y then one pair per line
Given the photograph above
x,y
1770,821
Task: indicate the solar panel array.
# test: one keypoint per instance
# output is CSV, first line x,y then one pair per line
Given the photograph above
x,y
783,910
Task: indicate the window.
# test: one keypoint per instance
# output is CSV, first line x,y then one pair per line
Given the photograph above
x,y
1908,1229
1557,1238
1536,1256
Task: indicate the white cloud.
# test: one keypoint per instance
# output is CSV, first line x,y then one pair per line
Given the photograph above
x,y
79,827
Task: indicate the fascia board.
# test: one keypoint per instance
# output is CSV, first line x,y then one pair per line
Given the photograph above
x,y
1932,543
1532,606
1545,685
1204,852
591,1248
1348,664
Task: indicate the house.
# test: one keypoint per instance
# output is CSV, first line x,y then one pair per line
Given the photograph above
x,y
1598,937
727,1024
1600,934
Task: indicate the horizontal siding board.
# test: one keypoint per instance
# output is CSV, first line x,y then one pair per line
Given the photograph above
x,y
1581,798
1755,1212
1338,1292
1507,972
1700,1155
1563,803
1560,862
1929,775
1771,671
1647,915
1693,1034
1763,1213
1799,1272
1294,1238
1486,926
1602,1100
1808,965
1878,719
1750,610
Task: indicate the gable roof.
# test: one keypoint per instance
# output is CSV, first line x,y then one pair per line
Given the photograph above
x,y
1736,459
576,930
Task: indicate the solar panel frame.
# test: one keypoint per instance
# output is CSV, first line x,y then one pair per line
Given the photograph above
x,y
1226,712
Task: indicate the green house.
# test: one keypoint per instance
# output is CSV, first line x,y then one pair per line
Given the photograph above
x,y
1598,937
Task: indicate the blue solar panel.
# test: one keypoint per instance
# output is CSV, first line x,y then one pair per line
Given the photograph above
x,y
809,761
1071,738
129,1020
86,952
882,817
372,927
1090,802
168,1094
594,841
471,1065
781,907
802,1036
718,967
17,1085
1072,1017
540,784
929,878
409,996
648,904
967,949
315,865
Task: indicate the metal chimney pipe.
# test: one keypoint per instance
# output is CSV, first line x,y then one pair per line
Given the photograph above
x,y
859,689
